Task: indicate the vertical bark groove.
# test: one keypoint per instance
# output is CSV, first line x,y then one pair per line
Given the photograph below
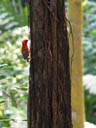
x,y
49,102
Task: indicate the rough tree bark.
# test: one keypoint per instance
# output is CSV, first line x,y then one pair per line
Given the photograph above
x,y
49,100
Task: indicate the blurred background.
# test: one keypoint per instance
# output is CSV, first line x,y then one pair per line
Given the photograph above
x,y
14,70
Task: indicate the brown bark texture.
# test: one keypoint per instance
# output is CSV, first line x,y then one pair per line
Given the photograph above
x,y
49,100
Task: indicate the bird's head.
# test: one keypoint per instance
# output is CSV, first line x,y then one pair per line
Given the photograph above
x,y
24,42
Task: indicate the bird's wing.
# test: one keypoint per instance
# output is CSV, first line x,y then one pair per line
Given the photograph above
x,y
25,53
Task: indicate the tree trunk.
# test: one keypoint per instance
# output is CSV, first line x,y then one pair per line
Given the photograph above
x,y
75,17
49,101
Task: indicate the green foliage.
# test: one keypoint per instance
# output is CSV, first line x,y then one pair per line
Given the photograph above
x,y
14,72
89,37
13,68
90,106
7,21
89,49
15,9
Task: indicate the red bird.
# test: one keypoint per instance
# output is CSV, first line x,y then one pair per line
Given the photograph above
x,y
25,50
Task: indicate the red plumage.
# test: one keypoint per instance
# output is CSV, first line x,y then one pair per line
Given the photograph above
x,y
25,50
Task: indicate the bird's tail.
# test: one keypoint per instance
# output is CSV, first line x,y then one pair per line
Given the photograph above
x,y
28,59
